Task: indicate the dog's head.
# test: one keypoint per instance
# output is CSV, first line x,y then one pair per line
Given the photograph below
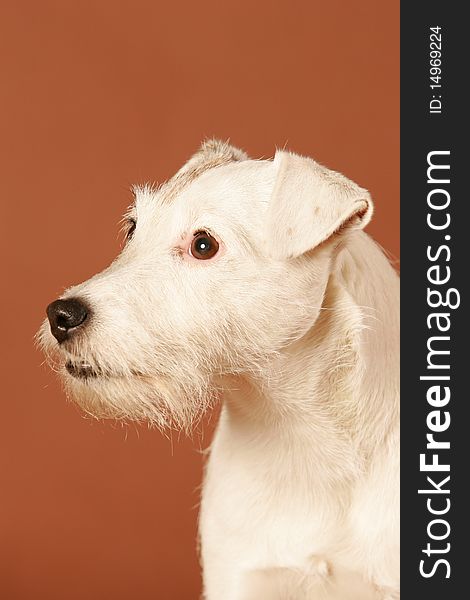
x,y
224,266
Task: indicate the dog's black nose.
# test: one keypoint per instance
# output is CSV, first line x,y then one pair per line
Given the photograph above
x,y
65,315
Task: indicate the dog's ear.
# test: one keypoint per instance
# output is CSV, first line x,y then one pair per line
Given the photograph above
x,y
309,204
212,153
219,149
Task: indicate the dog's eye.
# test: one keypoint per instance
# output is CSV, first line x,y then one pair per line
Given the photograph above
x,y
130,228
203,246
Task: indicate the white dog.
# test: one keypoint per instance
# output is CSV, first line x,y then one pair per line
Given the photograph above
x,y
250,281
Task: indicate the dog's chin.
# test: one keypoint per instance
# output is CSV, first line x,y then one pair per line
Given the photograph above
x,y
154,399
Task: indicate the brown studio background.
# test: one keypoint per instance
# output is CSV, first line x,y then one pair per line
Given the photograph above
x,y
95,96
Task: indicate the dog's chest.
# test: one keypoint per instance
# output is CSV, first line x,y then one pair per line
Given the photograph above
x,y
267,503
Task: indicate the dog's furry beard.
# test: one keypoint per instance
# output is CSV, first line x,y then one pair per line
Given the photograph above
x,y
159,401
131,393
171,388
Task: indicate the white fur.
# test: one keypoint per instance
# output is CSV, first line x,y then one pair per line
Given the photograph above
x,y
294,324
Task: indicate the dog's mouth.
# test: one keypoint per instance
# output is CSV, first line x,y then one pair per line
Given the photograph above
x,y
82,370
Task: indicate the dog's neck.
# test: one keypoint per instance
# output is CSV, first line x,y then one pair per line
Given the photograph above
x,y
339,381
